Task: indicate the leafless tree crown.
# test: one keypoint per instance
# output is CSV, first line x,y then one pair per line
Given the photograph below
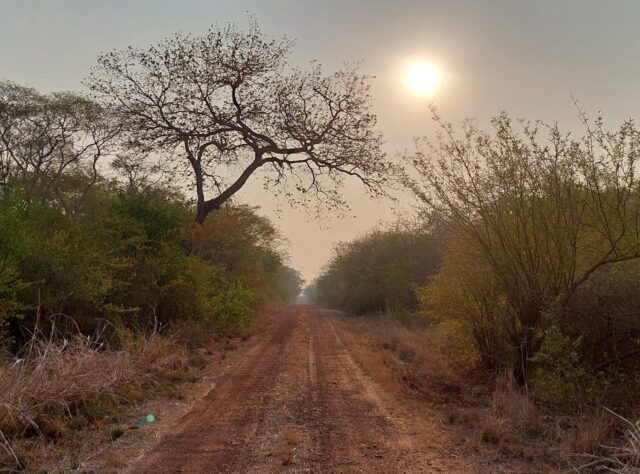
x,y
43,136
222,105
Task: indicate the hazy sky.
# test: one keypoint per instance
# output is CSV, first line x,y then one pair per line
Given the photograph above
x,y
527,58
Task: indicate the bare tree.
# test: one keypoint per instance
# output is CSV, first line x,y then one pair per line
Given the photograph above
x,y
223,105
44,136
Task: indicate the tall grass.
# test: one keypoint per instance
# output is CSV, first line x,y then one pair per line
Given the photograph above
x,y
54,378
623,458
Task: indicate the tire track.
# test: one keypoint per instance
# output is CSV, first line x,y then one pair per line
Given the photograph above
x,y
213,437
298,402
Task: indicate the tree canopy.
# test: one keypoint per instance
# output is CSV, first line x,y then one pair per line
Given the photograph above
x,y
44,136
222,105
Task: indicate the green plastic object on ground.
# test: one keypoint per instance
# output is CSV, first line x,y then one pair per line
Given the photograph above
x,y
150,418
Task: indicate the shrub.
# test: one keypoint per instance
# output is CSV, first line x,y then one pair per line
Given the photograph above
x,y
544,214
558,373
10,279
452,340
150,273
464,300
233,307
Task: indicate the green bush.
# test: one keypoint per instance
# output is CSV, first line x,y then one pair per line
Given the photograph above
x,y
233,307
11,240
133,258
465,293
147,262
558,373
379,271
119,252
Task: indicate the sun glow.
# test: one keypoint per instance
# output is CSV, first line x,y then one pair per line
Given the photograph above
x,y
422,78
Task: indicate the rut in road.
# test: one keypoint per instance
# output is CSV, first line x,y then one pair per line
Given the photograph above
x,y
212,437
297,402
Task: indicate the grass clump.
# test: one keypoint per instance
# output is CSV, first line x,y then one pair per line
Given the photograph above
x,y
62,384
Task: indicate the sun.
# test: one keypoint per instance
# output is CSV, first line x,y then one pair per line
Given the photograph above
x,y
422,78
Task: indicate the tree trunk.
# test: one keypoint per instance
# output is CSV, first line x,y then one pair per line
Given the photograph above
x,y
521,366
527,344
206,207
201,212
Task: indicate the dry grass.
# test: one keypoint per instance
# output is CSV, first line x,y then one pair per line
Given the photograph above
x,y
410,352
588,434
409,345
516,407
58,380
490,415
487,415
622,458
512,423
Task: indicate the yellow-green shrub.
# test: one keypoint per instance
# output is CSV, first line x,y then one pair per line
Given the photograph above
x,y
452,340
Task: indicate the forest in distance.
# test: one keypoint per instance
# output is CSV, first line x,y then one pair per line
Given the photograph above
x,y
501,318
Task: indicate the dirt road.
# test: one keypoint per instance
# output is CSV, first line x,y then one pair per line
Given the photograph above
x,y
297,402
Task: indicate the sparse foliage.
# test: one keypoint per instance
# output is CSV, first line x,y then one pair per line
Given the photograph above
x,y
544,212
43,137
222,105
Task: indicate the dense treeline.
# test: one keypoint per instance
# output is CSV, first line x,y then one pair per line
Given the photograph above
x,y
540,271
378,271
119,248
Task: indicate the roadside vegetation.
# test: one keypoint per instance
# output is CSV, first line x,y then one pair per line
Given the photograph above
x,y
534,303
379,271
107,303
106,284
122,247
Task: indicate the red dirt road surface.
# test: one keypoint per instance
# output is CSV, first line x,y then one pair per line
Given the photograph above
x,y
295,401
